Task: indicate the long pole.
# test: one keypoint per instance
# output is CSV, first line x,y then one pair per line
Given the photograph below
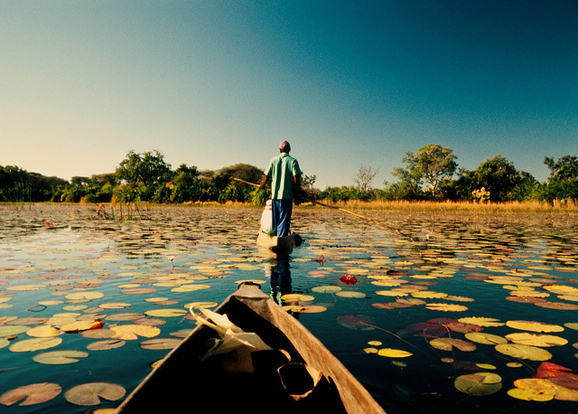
x,y
336,208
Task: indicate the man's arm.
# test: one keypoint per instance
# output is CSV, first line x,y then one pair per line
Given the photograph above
x,y
297,189
265,179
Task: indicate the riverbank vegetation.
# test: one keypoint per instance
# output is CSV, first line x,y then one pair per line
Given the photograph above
x,y
429,179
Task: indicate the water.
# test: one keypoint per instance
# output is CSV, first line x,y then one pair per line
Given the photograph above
x,y
484,266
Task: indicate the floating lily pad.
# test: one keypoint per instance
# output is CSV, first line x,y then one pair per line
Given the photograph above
x,y
31,394
35,344
481,321
130,332
479,384
43,331
350,294
160,343
526,338
59,357
524,352
446,307
533,326
91,393
448,344
394,353
166,313
106,345
326,289
485,338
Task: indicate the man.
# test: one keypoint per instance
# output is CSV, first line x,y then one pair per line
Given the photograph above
x,y
285,176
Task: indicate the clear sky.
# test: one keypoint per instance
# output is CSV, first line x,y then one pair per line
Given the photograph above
x,y
212,83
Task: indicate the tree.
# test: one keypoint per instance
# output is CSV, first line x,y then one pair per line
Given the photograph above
x,y
185,184
149,169
563,180
498,176
364,176
431,164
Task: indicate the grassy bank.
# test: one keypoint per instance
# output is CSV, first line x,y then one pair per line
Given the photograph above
x,y
530,207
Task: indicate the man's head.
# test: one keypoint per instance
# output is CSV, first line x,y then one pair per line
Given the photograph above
x,y
284,146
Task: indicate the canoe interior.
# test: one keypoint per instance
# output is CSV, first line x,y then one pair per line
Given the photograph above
x,y
183,380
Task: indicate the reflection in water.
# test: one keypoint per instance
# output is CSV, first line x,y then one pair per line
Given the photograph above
x,y
278,270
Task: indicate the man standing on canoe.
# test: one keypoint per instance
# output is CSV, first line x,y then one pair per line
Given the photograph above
x,y
285,176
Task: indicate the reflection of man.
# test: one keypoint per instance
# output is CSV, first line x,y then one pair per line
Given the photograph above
x,y
280,275
285,176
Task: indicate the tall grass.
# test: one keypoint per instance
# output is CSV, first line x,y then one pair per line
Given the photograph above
x,y
513,207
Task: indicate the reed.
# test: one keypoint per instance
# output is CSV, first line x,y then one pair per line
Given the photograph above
x,y
514,207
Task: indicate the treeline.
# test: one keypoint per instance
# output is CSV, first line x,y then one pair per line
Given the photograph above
x,y
433,174
139,177
430,174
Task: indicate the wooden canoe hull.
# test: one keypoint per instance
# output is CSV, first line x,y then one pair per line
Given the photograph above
x,y
183,381
278,243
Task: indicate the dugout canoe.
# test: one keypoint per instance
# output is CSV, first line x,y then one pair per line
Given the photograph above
x,y
184,381
278,243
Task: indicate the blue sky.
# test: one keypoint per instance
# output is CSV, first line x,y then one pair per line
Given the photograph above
x,y
349,83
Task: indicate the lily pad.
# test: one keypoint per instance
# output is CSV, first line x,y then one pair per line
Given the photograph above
x,y
166,313
59,357
91,393
526,338
160,343
446,307
129,332
485,338
32,394
448,344
533,326
326,289
35,344
106,345
394,353
479,384
524,352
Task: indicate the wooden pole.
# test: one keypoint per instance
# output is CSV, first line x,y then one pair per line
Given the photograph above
x,y
336,208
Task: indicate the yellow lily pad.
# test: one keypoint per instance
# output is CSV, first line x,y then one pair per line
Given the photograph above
x,y
393,353
531,395
85,295
485,338
166,313
35,344
32,394
481,321
59,357
90,394
533,326
526,338
446,307
130,332
524,352
43,331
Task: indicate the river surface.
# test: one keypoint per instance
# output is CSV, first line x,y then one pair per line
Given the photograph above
x,y
385,300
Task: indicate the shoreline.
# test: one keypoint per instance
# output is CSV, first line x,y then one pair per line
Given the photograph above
x,y
530,207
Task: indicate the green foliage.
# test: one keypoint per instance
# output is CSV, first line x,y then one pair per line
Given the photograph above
x,y
148,169
19,185
431,173
563,179
430,165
